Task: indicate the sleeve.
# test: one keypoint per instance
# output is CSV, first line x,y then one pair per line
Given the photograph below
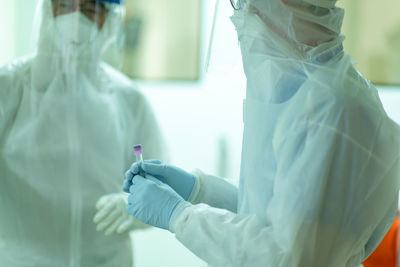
x,y
328,200
3,97
215,191
4,92
10,96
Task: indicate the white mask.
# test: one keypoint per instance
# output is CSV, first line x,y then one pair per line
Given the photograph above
x,y
76,29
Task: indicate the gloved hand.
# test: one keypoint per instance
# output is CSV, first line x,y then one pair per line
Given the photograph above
x,y
153,202
179,180
112,217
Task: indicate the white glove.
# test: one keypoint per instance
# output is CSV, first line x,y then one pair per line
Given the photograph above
x,y
112,217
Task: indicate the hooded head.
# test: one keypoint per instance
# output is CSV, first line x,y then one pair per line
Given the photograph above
x,y
73,36
78,30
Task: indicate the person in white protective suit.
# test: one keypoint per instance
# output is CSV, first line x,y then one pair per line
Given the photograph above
x,y
320,159
68,124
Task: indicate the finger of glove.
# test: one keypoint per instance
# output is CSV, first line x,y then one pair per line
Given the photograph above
x,y
107,219
125,225
154,179
153,161
156,169
108,207
128,180
114,226
138,180
129,175
102,202
137,183
127,184
135,168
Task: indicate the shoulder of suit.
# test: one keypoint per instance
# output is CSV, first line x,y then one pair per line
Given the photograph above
x,y
11,74
118,79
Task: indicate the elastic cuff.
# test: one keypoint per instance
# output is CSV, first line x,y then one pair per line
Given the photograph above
x,y
176,214
196,187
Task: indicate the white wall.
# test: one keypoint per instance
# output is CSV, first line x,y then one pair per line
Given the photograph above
x,y
16,23
7,29
390,97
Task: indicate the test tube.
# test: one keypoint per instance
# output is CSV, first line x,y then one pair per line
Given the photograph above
x,y
138,150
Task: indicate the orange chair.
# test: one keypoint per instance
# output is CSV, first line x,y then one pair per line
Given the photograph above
x,y
386,255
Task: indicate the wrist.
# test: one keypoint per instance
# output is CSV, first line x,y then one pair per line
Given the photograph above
x,y
196,187
176,214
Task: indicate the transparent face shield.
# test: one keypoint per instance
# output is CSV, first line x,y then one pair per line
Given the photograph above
x,y
82,30
223,52
277,37
302,25
94,11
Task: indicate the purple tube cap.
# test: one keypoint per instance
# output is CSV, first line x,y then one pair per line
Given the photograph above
x,y
137,149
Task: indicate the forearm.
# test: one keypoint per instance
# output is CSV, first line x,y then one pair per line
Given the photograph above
x,y
222,238
215,192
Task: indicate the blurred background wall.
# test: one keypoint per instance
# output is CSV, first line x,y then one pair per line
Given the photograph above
x,y
201,112
372,30
161,43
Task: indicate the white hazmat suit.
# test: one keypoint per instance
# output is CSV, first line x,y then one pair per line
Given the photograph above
x,y
320,161
68,124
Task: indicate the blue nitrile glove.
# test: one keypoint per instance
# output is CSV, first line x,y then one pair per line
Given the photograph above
x,y
153,202
179,180
129,174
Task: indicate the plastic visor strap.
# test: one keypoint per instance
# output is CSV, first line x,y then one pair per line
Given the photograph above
x,y
210,44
